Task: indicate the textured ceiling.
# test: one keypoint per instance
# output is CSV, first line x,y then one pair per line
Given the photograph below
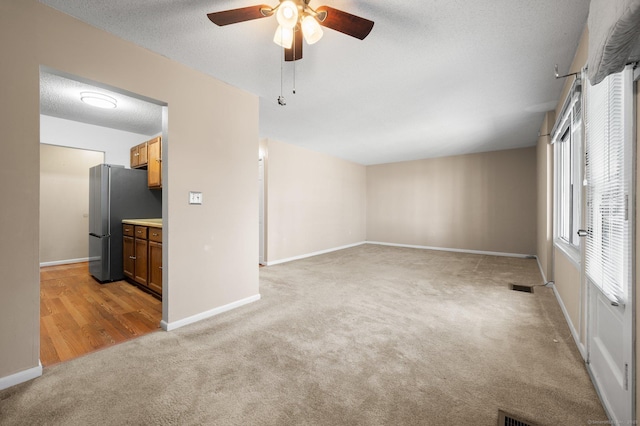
x,y
60,97
433,78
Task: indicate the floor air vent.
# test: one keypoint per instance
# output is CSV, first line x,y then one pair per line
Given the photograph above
x,y
522,288
506,419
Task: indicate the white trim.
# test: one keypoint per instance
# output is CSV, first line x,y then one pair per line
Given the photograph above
x,y
544,277
21,377
574,332
315,253
168,326
64,262
490,253
571,252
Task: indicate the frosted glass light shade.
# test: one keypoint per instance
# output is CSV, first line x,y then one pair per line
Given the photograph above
x,y
283,37
311,29
287,14
98,100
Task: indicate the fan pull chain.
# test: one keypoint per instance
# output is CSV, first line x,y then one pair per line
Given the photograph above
x,y
294,77
281,99
294,64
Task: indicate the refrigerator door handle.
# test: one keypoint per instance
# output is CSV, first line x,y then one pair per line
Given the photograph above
x,y
99,236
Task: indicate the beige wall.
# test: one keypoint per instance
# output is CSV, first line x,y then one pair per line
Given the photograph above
x,y
19,187
568,286
483,202
315,202
544,173
211,145
64,202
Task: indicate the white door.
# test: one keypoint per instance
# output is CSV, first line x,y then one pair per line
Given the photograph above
x,y
610,353
608,265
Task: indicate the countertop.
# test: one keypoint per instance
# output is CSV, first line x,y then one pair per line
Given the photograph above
x,y
156,223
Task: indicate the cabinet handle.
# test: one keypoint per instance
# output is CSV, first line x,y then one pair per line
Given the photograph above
x,y
139,232
154,234
159,267
158,159
132,257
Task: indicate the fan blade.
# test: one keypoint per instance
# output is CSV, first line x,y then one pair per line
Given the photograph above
x,y
346,23
295,52
234,16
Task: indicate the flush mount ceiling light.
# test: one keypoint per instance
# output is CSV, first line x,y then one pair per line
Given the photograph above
x,y
296,19
98,100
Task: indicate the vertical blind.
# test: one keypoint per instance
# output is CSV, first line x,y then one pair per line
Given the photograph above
x,y
608,241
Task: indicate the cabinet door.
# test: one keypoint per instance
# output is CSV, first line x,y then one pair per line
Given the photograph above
x,y
154,169
155,266
141,267
142,157
128,257
134,157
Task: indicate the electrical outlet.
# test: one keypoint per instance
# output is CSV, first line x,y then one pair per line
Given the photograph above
x,y
195,197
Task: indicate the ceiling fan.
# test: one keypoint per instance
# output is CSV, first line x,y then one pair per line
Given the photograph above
x,y
296,19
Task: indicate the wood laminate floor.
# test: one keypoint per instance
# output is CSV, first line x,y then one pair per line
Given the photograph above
x,y
78,315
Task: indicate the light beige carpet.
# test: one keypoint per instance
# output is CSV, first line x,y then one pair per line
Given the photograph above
x,y
371,335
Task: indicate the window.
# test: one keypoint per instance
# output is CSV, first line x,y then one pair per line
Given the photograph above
x,y
608,123
567,140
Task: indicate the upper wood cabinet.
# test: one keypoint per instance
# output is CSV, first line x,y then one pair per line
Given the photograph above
x,y
154,169
138,156
148,155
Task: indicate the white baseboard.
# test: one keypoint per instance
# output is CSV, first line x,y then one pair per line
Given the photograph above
x,y
64,262
544,277
567,318
315,253
489,253
21,377
168,326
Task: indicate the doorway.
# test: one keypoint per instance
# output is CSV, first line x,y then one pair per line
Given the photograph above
x,y
78,314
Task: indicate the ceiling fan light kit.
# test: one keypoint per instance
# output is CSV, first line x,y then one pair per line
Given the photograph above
x,y
311,29
297,19
287,14
283,37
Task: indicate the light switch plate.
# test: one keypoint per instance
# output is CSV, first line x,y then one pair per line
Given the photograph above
x,y
195,197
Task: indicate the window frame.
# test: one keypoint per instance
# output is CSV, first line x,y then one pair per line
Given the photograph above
x,y
568,142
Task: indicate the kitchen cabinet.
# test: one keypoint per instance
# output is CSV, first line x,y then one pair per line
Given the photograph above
x,y
142,252
155,260
128,251
139,156
154,168
141,249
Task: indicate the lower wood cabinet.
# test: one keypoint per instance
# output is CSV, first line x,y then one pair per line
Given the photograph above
x,y
155,267
142,256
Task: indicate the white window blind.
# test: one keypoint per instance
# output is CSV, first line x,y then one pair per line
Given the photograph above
x,y
607,173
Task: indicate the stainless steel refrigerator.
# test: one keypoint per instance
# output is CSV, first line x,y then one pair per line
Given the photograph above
x,y
116,193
